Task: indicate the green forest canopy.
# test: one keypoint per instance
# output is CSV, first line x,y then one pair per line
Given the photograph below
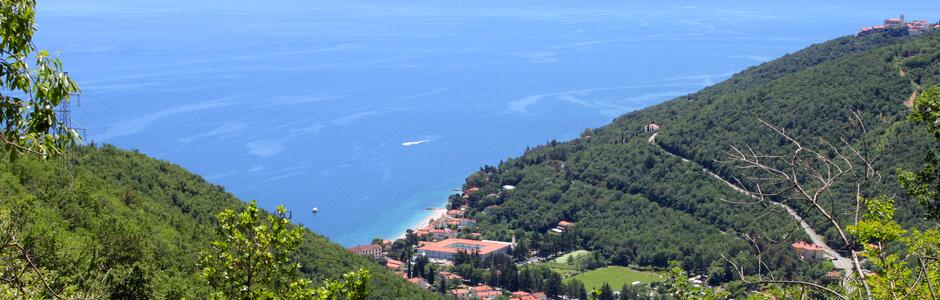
x,y
636,204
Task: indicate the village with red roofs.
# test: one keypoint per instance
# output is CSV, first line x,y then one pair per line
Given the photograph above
x,y
914,28
444,237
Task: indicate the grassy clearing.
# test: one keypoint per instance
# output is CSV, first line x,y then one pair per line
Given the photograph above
x,y
574,254
616,276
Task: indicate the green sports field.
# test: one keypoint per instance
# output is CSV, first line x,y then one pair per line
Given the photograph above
x,y
616,276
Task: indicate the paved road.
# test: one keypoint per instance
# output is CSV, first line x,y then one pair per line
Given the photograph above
x,y
840,262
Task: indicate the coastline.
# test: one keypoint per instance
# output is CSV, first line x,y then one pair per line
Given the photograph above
x,y
433,213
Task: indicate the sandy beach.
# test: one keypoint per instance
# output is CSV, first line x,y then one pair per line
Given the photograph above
x,y
432,214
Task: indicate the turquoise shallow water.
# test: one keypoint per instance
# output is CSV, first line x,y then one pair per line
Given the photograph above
x,y
373,111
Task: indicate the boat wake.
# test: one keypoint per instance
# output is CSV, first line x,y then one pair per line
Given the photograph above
x,y
412,143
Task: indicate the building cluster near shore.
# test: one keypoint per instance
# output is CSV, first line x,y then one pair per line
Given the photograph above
x,y
916,27
447,226
446,249
444,237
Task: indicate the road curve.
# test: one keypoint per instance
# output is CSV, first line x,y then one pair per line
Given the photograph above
x,y
839,261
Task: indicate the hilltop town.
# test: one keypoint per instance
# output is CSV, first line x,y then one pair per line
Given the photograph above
x,y
914,28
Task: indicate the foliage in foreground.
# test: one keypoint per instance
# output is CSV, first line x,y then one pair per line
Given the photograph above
x,y
904,263
253,261
108,222
30,94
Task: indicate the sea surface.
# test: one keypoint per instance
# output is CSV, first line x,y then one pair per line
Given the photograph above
x,y
372,111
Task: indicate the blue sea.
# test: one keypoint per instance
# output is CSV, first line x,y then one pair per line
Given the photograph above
x,y
373,111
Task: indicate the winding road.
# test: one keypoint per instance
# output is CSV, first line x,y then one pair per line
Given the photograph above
x,y
843,263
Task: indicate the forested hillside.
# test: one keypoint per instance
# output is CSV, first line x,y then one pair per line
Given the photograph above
x,y
644,202
133,226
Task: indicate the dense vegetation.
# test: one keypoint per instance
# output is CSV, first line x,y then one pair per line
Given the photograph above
x,y
636,203
132,226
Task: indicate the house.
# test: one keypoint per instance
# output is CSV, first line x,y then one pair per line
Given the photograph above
x,y
808,250
651,127
519,294
834,275
462,222
374,251
440,234
562,227
439,223
424,231
447,248
523,295
894,22
394,265
449,276
467,192
488,295
455,213
420,282
918,27
460,293
484,292
489,209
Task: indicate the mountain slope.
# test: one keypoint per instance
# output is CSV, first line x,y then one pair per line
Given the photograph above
x,y
641,204
144,222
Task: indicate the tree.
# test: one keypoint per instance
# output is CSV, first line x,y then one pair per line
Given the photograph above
x,y
575,289
628,292
912,271
430,275
252,260
606,293
923,184
520,252
906,260
442,285
553,285
29,95
28,124
679,287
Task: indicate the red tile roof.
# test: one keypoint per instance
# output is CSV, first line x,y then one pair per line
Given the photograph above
x,y
454,245
482,287
449,275
460,291
489,294
417,280
393,264
806,246
365,248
